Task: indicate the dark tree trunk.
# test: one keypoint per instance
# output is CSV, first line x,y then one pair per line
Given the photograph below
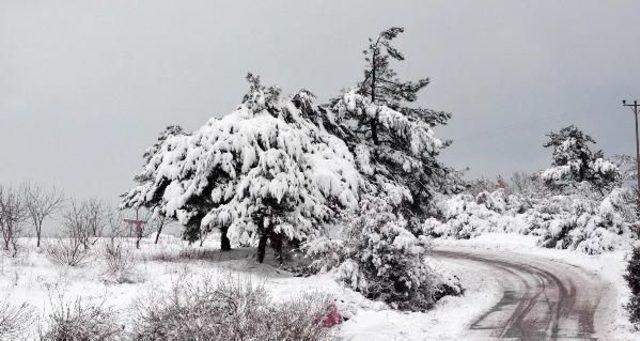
x,y
277,243
262,247
139,234
225,243
158,234
374,131
38,242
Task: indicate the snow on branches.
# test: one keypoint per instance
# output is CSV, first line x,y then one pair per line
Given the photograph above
x,y
574,162
379,257
393,141
263,171
403,166
582,220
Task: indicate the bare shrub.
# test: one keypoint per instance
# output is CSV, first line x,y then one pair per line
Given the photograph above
x,y
301,318
119,260
67,251
85,221
228,310
13,320
183,255
78,321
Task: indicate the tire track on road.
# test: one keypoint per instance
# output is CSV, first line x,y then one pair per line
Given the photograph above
x,y
541,300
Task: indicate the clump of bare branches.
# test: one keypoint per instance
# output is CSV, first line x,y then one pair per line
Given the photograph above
x,y
85,221
119,260
13,320
13,212
118,255
40,204
68,251
78,321
229,309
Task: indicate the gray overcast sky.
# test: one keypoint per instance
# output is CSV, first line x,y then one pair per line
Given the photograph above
x,y
85,86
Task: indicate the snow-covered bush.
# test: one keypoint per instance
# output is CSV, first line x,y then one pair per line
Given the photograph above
x,y
14,320
581,220
264,171
581,205
465,216
78,321
379,257
581,223
632,276
229,309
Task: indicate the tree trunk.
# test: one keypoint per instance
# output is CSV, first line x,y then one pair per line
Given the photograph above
x,y
158,234
262,247
374,131
38,242
225,243
277,242
138,238
203,236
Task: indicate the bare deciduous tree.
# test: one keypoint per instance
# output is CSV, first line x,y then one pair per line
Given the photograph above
x,y
40,204
12,213
85,221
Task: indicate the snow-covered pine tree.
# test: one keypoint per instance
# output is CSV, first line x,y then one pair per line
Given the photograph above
x,y
392,140
574,162
379,251
263,172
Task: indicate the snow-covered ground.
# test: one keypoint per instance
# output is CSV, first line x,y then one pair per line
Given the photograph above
x,y
34,279
448,320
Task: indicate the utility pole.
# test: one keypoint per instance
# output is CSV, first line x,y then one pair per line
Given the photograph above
x,y
635,106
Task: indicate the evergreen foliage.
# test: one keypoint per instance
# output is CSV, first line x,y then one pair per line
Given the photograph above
x,y
574,162
632,276
393,142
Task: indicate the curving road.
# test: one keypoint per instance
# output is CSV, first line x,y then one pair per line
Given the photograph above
x,y
542,299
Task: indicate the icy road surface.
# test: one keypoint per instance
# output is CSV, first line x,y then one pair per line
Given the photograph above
x,y
542,299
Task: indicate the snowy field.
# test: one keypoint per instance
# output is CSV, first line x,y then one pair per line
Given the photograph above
x,y
34,279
